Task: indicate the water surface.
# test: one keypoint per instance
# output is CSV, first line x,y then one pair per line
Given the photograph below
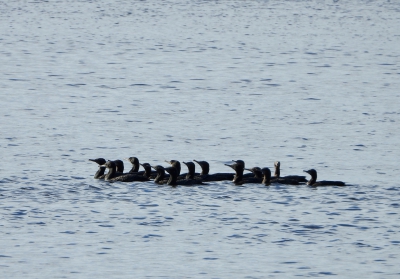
x,y
311,84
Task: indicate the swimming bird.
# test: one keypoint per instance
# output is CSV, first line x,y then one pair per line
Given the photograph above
x,y
191,170
100,172
176,164
267,179
205,166
313,181
256,171
147,171
238,167
298,178
161,177
129,177
173,175
260,176
207,177
135,164
290,179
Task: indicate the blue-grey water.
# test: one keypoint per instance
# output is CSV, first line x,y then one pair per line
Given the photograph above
x,y
313,84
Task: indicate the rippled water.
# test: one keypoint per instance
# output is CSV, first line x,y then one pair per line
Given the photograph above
x,y
312,84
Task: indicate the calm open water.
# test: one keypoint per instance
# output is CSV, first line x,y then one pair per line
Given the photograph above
x,y
314,84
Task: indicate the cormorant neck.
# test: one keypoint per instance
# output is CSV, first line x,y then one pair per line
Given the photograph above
x,y
312,180
313,174
160,176
147,171
266,180
277,173
258,174
191,170
172,179
100,172
135,168
205,169
111,173
119,166
238,178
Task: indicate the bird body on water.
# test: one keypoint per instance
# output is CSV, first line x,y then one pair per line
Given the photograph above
x,y
238,179
291,179
111,176
119,168
147,171
277,175
176,164
314,183
207,177
267,179
173,175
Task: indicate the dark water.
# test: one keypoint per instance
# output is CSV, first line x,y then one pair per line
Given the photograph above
x,y
311,84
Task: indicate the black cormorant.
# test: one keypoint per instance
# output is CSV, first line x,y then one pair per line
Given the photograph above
x,y
206,176
173,175
298,178
313,181
111,176
100,172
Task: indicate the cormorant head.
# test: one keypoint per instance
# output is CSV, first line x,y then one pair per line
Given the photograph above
x,y
109,165
205,166
100,161
311,172
133,160
119,165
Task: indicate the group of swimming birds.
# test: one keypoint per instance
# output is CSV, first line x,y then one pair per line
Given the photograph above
x,y
174,177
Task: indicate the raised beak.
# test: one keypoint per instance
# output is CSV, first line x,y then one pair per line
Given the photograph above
x,y
231,166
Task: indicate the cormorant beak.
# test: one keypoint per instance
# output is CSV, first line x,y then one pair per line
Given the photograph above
x,y
231,166
306,171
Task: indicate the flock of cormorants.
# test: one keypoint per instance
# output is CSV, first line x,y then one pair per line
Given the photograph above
x,y
174,177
